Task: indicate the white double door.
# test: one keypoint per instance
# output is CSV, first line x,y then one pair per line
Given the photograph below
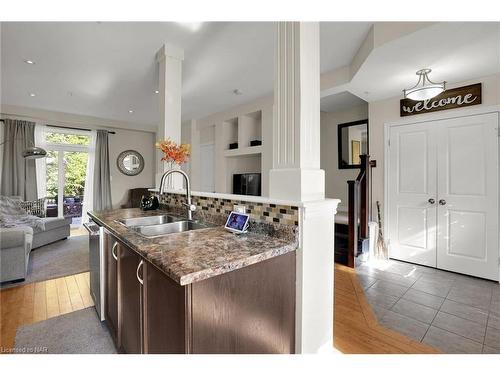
x,y
443,194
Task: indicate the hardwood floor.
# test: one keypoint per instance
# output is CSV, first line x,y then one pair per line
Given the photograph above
x,y
356,327
356,330
31,303
80,231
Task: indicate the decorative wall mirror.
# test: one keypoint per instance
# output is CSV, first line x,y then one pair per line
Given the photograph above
x,y
130,163
352,142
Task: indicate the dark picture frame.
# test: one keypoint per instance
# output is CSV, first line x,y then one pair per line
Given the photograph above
x,y
120,164
341,164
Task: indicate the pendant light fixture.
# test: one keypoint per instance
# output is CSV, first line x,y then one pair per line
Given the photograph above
x,y
34,152
425,88
31,152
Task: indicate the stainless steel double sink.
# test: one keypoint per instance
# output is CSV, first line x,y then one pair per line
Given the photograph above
x,y
162,225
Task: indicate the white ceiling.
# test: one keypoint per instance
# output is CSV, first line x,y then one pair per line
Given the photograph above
x,y
340,101
106,69
454,51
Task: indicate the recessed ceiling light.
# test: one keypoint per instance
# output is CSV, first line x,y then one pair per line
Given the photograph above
x,y
30,62
157,91
237,92
130,111
191,26
32,94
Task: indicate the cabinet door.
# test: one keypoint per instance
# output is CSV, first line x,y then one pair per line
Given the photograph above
x,y
129,300
111,288
246,311
165,313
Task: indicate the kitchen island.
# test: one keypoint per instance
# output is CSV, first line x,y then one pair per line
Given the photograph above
x,y
200,291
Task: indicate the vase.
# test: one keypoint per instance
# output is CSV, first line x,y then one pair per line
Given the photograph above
x,y
169,184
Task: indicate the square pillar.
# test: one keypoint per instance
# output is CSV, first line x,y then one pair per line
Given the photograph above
x,y
296,176
169,59
296,173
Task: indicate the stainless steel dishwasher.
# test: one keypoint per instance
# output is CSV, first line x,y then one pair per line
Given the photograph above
x,y
96,265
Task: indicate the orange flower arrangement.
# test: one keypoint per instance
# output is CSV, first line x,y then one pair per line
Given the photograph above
x,y
174,153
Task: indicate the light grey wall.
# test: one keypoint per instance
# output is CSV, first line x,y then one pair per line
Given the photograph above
x,y
335,178
143,142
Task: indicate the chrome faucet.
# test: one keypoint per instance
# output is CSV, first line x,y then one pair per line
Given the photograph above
x,y
189,205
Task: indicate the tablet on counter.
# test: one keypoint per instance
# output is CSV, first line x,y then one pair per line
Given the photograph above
x,y
237,222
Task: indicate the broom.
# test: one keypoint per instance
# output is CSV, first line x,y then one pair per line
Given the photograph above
x,y
381,250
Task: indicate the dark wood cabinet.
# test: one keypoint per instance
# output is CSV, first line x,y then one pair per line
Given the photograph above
x,y
130,271
249,310
111,285
165,318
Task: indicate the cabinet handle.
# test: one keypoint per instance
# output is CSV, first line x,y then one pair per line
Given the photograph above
x,y
431,200
442,202
115,245
137,272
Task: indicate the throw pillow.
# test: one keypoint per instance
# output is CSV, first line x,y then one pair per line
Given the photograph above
x,y
9,206
35,208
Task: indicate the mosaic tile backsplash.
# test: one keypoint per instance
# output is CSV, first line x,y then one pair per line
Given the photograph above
x,y
262,212
271,219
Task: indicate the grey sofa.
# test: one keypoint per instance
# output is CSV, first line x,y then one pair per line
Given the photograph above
x,y
16,244
55,229
15,248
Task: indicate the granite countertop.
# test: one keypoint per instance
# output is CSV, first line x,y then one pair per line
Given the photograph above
x,y
194,255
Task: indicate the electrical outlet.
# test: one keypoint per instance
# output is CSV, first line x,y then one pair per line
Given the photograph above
x,y
240,208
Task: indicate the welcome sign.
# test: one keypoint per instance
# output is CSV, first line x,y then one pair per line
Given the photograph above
x,y
454,98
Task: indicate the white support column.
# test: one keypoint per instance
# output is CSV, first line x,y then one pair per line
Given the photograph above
x,y
169,59
296,176
296,173
221,161
195,157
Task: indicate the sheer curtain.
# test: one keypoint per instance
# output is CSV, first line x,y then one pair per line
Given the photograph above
x,y
40,164
88,192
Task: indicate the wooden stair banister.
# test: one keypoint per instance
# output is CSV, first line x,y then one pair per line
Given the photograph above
x,y
358,208
352,222
364,191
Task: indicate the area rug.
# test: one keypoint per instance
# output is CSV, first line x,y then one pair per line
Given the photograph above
x,y
79,332
58,259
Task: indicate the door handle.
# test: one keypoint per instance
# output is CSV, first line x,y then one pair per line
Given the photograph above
x,y
115,245
431,200
137,272
442,202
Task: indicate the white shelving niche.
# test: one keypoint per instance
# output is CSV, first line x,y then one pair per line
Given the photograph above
x,y
244,159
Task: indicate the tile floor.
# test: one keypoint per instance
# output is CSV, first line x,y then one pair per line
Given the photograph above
x,y
452,312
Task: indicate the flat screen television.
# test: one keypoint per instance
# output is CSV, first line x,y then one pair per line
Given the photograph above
x,y
247,184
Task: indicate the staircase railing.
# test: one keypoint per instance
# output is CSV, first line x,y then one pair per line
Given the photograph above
x,y
358,208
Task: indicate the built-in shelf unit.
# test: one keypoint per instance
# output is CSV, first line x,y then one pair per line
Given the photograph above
x,y
240,125
243,151
231,132
244,159
249,128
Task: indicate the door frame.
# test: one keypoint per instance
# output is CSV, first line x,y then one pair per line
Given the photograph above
x,y
201,146
60,149
435,116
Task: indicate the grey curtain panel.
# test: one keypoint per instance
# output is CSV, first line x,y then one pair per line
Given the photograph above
x,y
18,173
102,180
